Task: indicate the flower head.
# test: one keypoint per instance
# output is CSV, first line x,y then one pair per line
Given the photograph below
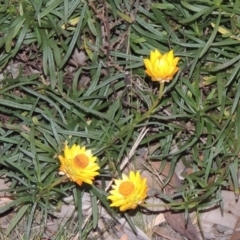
x,y
129,191
78,164
160,67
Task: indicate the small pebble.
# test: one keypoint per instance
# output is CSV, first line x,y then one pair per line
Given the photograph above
x,y
228,232
222,238
209,235
222,228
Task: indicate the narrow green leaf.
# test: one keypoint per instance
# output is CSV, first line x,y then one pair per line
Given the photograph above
x,y
37,143
15,203
17,218
95,214
30,221
213,35
76,35
50,7
12,33
234,174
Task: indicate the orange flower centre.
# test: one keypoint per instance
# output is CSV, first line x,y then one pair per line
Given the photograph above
x,y
126,188
81,161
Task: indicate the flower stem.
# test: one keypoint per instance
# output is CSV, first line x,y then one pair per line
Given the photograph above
x,y
160,93
144,116
154,105
58,181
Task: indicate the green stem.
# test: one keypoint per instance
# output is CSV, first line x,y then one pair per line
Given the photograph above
x,y
154,105
58,181
144,116
160,93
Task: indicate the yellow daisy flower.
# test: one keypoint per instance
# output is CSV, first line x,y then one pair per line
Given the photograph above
x,y
160,67
78,164
129,191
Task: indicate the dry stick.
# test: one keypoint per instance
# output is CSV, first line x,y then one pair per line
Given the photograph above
x,y
137,142
124,163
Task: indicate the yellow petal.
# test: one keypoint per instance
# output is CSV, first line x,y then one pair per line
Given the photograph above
x,y
154,55
135,195
77,172
161,67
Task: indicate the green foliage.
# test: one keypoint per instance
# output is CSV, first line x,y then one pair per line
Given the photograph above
x,y
196,120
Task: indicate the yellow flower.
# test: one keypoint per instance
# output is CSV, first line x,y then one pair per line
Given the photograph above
x,y
78,164
160,67
129,191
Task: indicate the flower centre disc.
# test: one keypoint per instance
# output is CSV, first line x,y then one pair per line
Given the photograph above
x,y
81,160
126,188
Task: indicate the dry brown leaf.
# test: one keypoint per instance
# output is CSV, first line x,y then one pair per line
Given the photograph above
x,y
236,232
124,237
5,201
231,203
215,216
177,222
78,58
3,185
175,219
164,233
156,221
